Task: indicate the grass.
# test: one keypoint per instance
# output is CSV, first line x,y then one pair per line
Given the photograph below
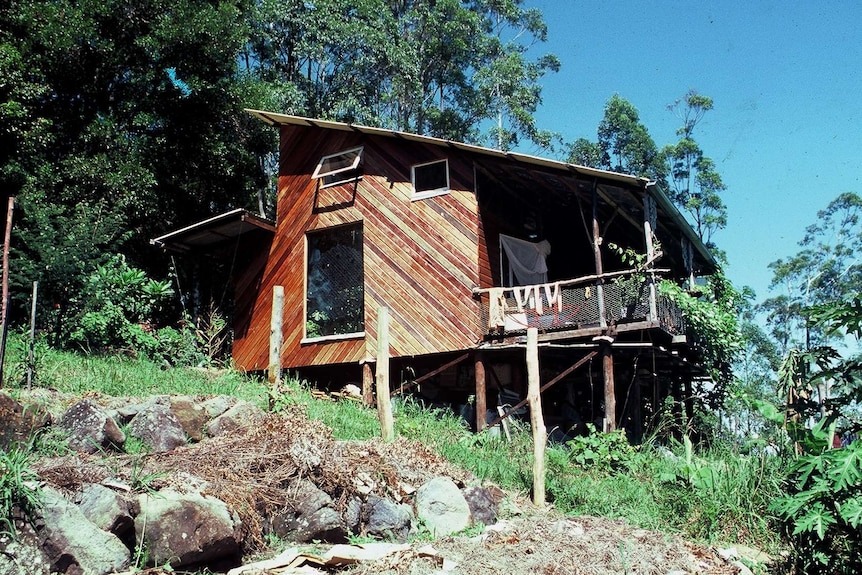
x,y
122,376
718,495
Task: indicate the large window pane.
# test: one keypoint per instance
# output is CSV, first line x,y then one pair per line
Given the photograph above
x,y
334,297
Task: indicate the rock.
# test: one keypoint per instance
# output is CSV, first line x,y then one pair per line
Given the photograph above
x,y
90,429
105,508
483,506
385,519
157,426
442,507
353,514
186,528
73,545
21,555
217,405
191,416
241,416
17,423
309,516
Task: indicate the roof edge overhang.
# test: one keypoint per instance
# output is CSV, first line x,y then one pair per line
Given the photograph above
x,y
207,233
276,119
683,225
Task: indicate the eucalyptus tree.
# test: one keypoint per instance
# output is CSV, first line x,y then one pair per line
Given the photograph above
x,y
826,270
695,184
442,68
623,144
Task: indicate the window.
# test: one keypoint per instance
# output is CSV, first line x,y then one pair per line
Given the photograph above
x,y
339,168
334,282
431,179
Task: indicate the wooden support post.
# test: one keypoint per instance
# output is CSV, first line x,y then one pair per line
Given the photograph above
x,y
597,254
637,412
367,382
276,337
4,312
649,223
537,420
384,402
608,373
481,393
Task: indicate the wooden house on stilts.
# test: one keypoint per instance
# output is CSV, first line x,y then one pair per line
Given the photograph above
x,y
467,247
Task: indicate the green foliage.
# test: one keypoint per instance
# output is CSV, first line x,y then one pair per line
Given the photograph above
x,y
711,317
827,271
624,144
117,304
608,452
18,487
438,68
821,506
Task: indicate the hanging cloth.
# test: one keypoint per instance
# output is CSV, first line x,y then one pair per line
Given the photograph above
x,y
497,308
527,259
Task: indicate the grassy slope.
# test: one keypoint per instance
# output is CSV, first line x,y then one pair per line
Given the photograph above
x,y
714,497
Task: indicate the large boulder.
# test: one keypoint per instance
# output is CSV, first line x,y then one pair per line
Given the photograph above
x,y
186,528
157,426
484,505
385,519
73,545
242,415
90,429
441,507
17,422
106,508
191,415
309,516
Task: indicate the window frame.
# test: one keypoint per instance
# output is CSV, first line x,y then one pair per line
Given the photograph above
x,y
350,172
430,193
339,336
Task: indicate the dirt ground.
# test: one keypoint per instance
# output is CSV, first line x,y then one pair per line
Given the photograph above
x,y
526,541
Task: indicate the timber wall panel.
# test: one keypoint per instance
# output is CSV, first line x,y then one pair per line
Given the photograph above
x,y
421,258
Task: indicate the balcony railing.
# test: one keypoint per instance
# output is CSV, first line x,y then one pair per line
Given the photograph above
x,y
572,305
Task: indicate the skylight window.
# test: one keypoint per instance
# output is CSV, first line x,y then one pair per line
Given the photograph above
x,y
339,168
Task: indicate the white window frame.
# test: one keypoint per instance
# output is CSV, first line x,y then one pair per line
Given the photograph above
x,y
349,171
423,194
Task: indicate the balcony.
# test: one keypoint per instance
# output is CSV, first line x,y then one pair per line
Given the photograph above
x,y
574,308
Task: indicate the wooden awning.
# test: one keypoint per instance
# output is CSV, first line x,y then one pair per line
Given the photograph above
x,y
211,234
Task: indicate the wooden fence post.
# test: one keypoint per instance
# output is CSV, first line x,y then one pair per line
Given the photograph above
x,y
31,353
537,421
384,402
276,337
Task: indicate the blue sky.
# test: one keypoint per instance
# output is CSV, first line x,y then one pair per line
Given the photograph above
x,y
786,80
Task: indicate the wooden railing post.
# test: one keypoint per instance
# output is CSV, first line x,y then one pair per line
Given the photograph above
x,y
537,420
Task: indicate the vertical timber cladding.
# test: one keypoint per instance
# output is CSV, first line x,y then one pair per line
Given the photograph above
x,y
420,257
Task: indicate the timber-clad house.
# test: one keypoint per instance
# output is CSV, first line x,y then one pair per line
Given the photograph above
x,y
466,247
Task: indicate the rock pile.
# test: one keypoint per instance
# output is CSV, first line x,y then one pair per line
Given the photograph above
x,y
211,480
